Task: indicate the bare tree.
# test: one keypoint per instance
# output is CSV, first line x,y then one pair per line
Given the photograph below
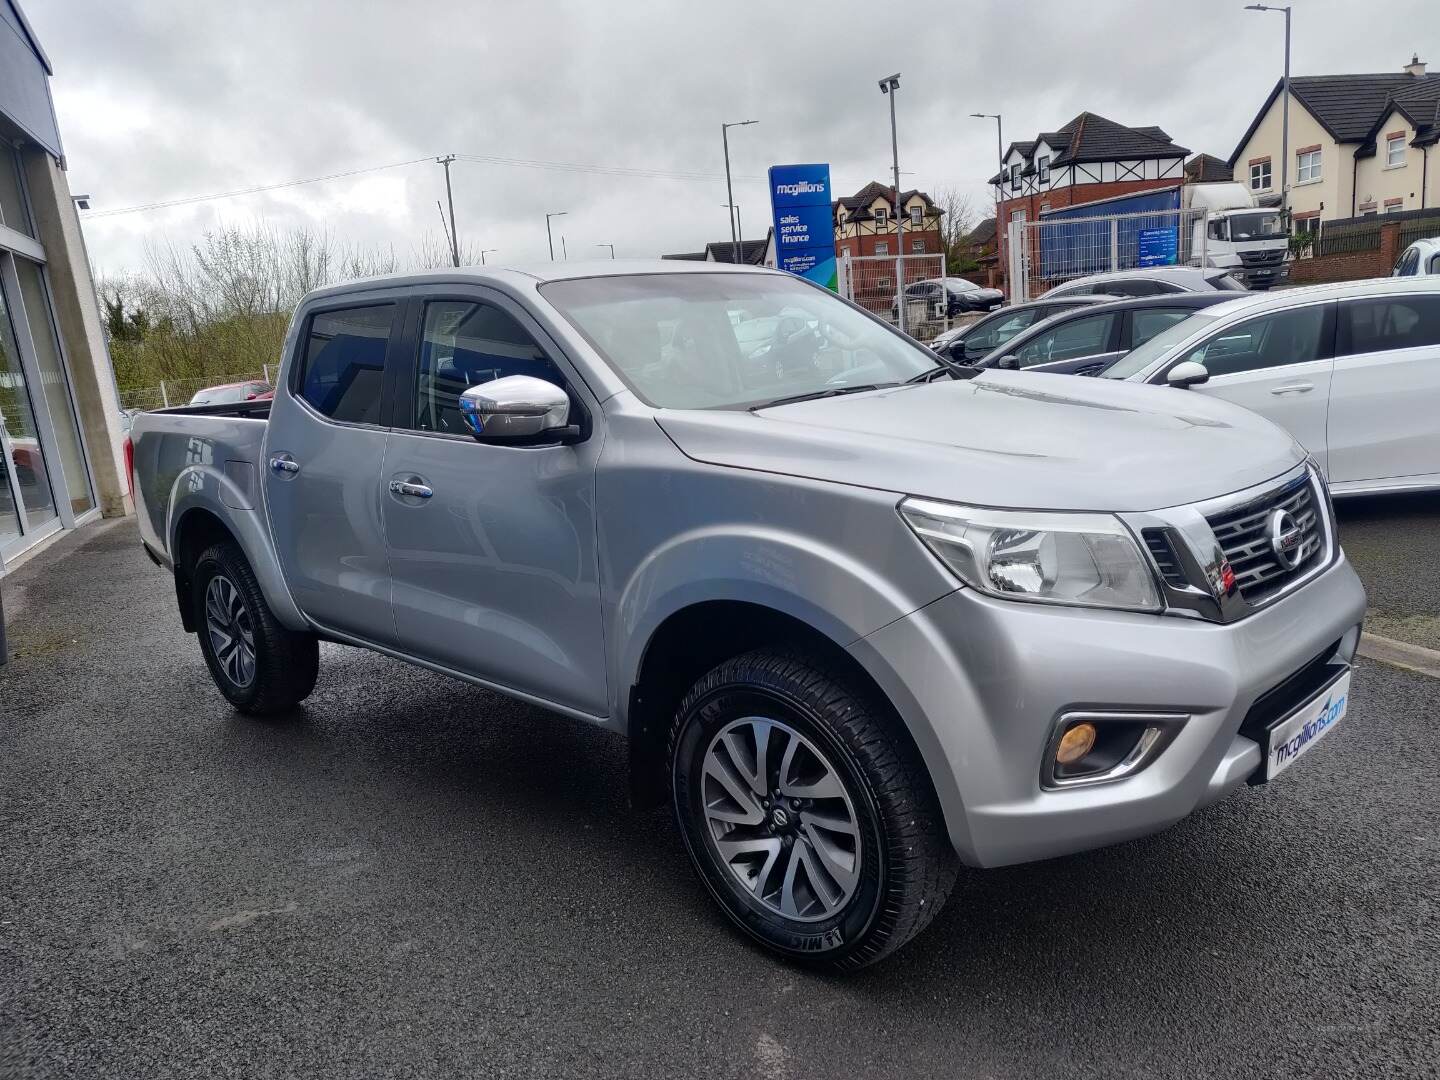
x,y
957,222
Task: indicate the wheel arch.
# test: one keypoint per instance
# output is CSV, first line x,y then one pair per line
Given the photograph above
x,y
695,638
197,526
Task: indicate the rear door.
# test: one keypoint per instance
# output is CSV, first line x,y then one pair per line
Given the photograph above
x,y
1385,398
494,561
324,449
1278,365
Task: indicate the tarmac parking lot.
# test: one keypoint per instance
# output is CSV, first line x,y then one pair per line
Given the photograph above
x,y
415,877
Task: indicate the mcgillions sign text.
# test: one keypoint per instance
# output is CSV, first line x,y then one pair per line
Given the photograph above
x,y
804,228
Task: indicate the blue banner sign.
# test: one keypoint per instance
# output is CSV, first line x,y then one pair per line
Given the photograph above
x,y
804,227
1159,247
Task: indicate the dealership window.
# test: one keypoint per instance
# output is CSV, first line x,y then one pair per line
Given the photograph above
x,y
12,194
1394,150
1043,167
882,248
1260,174
1307,166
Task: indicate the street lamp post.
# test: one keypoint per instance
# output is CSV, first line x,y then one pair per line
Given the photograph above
x,y
1284,107
610,246
890,85
548,237
729,193
739,229
486,251
999,188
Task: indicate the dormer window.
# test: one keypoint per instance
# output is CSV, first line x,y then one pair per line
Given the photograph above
x,y
1014,177
917,215
1042,166
881,216
842,217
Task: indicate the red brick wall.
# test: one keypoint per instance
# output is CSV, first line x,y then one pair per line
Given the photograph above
x,y
865,244
1350,266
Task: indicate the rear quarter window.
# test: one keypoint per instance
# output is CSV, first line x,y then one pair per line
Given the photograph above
x,y
342,362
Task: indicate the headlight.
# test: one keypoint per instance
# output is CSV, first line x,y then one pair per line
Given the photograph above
x,y
1090,560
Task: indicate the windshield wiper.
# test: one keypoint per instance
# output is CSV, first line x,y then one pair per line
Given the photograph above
x,y
816,395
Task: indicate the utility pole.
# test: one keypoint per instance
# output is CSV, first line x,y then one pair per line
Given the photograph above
x,y
999,188
611,247
486,251
889,86
450,198
739,228
564,255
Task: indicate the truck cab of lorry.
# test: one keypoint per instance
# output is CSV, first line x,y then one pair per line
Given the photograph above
x,y
1248,239
862,619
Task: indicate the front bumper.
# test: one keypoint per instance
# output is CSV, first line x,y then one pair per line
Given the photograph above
x,y
981,682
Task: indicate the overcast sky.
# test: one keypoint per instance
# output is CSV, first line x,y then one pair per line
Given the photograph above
x,y
165,100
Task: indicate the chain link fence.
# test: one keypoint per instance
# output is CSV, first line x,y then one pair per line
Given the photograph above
x,y
872,282
172,392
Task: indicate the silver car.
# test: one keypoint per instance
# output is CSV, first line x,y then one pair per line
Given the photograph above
x,y
863,619
1149,281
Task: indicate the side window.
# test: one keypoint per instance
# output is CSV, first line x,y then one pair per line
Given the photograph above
x,y
997,333
343,366
1071,290
1406,264
1147,324
1286,337
1396,322
1434,264
1076,338
465,344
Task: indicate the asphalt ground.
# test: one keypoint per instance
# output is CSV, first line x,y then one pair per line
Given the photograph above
x,y
415,877
1394,541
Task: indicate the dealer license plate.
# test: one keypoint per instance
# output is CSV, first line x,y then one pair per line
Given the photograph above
x,y
1296,735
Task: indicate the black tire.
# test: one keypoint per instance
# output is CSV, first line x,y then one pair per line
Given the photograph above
x,y
285,662
906,866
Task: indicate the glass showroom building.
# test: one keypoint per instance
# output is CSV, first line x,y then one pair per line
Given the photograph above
x,y
60,423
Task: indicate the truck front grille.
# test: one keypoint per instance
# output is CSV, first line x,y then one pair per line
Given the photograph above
x,y
1245,535
1262,258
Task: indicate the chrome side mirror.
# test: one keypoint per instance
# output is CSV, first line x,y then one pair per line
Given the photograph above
x,y
1008,362
516,407
1187,373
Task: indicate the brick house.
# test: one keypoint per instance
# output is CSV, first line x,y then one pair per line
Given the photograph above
x,y
1089,158
865,223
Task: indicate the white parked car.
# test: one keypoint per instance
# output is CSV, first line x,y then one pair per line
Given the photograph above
x,y
1352,370
1419,259
1149,281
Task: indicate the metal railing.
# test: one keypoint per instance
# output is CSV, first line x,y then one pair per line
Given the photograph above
x,y
172,392
872,282
1044,253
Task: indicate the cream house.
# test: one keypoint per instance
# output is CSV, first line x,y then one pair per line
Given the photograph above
x,y
1359,144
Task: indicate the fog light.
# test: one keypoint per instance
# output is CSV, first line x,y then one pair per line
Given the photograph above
x,y
1075,744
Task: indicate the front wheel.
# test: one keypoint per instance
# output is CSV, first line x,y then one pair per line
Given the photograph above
x,y
260,666
807,815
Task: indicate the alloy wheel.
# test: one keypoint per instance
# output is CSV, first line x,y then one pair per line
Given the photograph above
x,y
778,816
231,631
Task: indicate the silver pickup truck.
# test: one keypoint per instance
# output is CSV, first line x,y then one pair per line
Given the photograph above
x,y
863,617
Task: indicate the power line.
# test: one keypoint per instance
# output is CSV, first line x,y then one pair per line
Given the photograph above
x,y
480,159
188,199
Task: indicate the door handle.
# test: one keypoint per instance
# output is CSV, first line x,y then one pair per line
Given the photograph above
x,y
1293,388
406,487
283,463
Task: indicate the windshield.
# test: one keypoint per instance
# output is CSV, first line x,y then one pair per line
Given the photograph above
x,y
1258,226
1141,358
959,285
220,395
727,341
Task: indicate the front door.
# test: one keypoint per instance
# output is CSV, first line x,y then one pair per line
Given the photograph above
x,y
1385,399
1278,365
492,546
324,451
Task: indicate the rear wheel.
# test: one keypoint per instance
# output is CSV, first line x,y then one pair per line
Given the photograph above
x,y
260,666
807,815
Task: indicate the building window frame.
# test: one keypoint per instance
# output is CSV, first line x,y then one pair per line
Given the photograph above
x,y
1394,206
1395,141
1042,167
1014,177
882,217
882,247
917,216
917,247
1309,165
1262,175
